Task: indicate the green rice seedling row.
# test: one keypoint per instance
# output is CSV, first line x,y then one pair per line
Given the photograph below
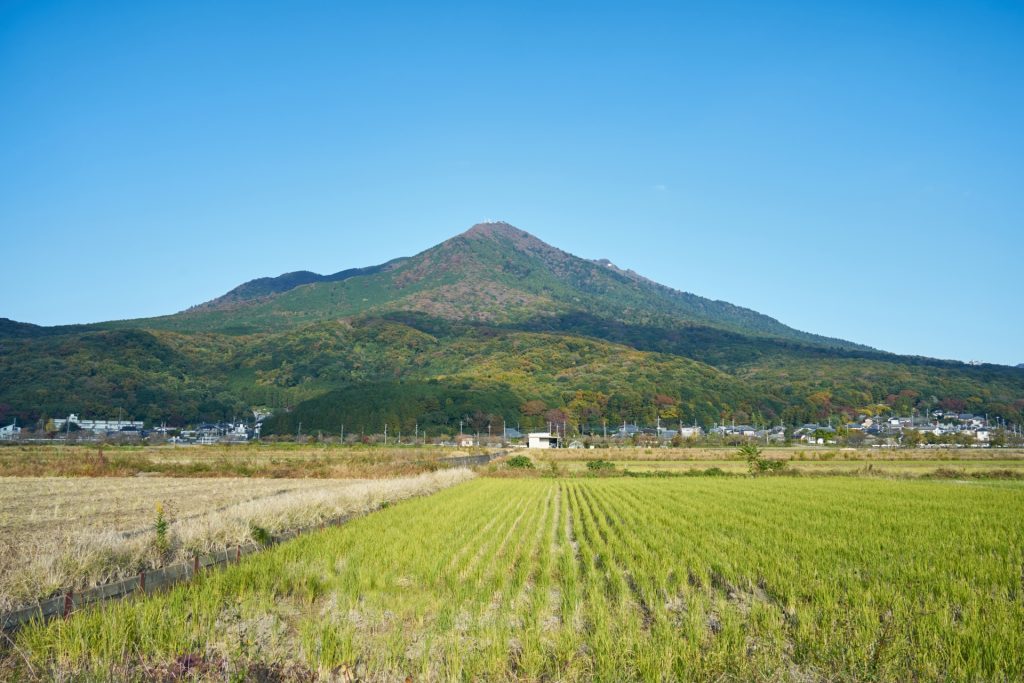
x,y
599,579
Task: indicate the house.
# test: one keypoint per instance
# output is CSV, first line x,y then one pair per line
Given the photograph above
x,y
10,432
542,440
465,440
511,433
627,431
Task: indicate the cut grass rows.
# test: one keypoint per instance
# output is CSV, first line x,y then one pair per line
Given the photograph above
x,y
603,579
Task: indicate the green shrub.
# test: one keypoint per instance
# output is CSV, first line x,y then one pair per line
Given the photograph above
x,y
520,462
600,465
757,462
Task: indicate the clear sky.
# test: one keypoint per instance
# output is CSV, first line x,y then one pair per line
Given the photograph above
x,y
854,170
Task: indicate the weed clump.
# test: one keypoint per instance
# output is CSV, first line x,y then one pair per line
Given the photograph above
x,y
756,461
161,529
260,536
520,462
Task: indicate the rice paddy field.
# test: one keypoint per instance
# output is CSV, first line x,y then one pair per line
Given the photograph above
x,y
578,579
330,461
76,532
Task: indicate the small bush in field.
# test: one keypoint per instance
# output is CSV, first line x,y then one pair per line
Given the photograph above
x,y
600,466
521,462
757,462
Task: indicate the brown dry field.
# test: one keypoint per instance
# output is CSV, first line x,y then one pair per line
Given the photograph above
x,y
61,532
244,460
794,453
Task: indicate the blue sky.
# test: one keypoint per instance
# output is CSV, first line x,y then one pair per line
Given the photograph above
x,y
854,170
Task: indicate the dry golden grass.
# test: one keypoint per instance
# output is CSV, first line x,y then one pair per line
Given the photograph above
x,y
809,453
320,461
61,532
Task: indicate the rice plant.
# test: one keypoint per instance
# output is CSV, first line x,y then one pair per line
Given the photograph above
x,y
605,579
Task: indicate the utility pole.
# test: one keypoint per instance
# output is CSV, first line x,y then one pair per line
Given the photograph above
x,y
343,433
385,433
299,435
416,434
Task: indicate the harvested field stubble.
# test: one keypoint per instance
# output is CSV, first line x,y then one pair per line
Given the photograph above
x,y
603,579
76,532
245,460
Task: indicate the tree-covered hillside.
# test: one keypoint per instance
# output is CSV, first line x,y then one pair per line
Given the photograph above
x,y
490,325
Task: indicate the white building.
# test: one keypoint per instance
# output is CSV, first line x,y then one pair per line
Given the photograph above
x,y
541,440
10,432
97,426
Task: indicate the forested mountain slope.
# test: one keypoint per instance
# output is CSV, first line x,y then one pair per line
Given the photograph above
x,y
491,324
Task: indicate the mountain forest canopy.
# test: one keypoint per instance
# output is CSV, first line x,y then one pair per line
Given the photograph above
x,y
491,326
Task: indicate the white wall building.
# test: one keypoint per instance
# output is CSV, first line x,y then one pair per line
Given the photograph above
x,y
97,426
541,440
10,432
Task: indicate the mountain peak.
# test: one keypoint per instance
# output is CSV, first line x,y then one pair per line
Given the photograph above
x,y
507,236
496,229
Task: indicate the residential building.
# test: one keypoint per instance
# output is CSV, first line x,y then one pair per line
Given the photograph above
x,y
10,432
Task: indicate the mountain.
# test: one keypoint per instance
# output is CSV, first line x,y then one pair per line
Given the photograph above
x,y
492,273
491,324
263,287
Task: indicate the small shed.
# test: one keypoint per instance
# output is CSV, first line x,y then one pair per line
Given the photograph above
x,y
542,440
465,440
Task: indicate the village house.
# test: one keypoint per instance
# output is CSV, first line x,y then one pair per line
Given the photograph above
x,y
541,440
10,432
